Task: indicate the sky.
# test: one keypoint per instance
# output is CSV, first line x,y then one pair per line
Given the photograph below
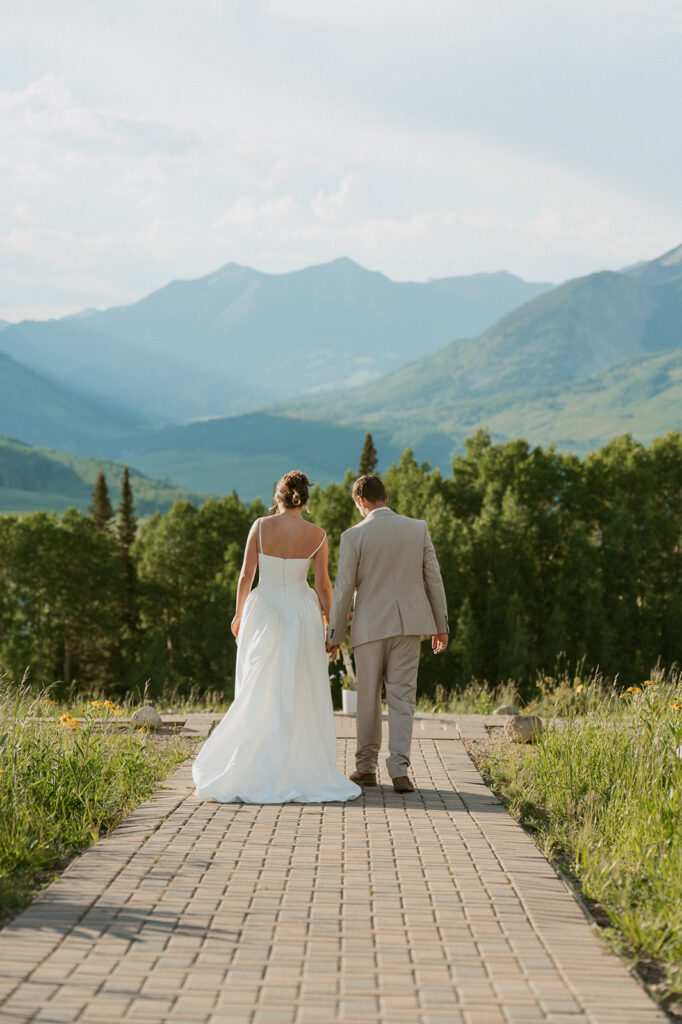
x,y
144,141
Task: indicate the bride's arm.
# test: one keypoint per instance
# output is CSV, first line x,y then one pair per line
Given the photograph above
x,y
246,576
323,585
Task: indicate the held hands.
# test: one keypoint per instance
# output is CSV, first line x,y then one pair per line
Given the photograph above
x,y
333,649
439,642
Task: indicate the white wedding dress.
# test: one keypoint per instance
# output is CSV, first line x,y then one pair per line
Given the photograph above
x,y
277,742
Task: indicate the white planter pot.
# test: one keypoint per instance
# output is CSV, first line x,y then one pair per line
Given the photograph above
x,y
350,701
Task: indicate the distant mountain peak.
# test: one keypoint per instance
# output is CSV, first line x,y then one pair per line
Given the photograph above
x,y
663,268
229,270
672,258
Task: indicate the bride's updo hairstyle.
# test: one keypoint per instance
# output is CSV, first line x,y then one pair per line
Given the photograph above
x,y
292,490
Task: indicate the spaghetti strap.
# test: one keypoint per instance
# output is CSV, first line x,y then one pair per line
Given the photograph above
x,y
324,537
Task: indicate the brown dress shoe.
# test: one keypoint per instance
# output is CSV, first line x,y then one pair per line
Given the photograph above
x,y
401,784
364,778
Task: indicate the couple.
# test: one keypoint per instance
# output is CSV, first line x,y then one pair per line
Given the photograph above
x,y
277,742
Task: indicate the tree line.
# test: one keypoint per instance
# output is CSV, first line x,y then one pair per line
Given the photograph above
x,y
544,556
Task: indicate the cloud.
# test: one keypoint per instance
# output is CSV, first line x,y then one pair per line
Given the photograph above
x,y
163,140
248,212
46,112
332,206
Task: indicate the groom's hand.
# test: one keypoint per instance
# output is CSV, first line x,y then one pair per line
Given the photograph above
x,y
332,650
439,642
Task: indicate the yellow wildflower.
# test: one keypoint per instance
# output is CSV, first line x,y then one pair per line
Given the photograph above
x,y
112,707
579,688
634,689
675,704
46,701
648,682
626,694
69,721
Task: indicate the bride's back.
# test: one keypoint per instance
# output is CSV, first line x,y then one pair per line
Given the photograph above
x,y
289,536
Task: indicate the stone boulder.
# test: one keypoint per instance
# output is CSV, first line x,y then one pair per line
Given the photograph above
x,y
147,717
523,728
505,710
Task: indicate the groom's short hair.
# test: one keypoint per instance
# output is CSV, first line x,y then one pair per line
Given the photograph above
x,y
370,488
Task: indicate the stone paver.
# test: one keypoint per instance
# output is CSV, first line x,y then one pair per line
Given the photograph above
x,y
430,908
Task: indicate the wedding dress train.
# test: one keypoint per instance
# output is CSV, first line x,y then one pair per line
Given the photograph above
x,y
277,742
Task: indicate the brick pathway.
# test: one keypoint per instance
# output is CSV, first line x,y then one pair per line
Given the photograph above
x,y
433,907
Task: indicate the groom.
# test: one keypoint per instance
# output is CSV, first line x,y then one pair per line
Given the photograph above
x,y
389,563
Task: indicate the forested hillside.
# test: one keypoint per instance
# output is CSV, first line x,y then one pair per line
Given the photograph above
x,y
41,478
544,556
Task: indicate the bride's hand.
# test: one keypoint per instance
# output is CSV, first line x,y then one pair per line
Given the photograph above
x,y
236,623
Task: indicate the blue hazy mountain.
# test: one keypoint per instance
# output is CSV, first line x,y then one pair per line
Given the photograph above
x,y
574,365
238,339
594,357
44,411
598,356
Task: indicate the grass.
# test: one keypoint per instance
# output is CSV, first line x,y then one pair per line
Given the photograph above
x,y
602,793
172,700
477,699
62,785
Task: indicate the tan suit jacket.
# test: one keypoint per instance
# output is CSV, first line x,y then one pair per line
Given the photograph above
x,y
388,562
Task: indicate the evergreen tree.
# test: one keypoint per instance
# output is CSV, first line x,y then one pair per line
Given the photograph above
x,y
126,529
368,459
126,526
101,510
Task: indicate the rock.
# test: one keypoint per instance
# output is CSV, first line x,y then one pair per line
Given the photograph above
x,y
147,716
505,710
523,728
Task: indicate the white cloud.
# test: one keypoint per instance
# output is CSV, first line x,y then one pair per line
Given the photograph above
x,y
162,140
334,205
248,212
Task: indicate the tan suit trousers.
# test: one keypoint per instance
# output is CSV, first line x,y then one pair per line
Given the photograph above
x,y
394,662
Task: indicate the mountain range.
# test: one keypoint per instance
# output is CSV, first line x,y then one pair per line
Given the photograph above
x,y
572,365
237,339
597,356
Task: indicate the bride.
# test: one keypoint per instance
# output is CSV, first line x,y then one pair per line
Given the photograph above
x,y
277,742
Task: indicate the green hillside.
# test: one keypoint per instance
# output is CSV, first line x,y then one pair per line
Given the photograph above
x,y
40,478
641,395
249,453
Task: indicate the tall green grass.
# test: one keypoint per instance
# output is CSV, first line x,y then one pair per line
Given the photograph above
x,y
63,784
171,700
477,699
603,789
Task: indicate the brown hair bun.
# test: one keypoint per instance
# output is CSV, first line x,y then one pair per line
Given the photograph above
x,y
292,490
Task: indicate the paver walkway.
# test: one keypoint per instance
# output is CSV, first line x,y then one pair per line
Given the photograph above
x,y
431,907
